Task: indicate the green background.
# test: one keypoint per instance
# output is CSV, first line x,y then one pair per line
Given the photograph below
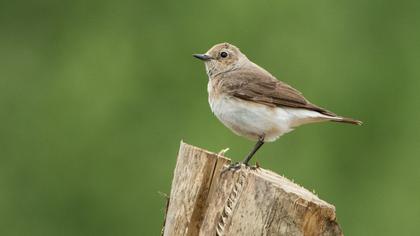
x,y
95,97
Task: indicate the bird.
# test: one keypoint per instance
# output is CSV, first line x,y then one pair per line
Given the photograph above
x,y
253,103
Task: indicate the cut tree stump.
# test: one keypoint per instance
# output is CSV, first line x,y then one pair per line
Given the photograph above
x,y
204,200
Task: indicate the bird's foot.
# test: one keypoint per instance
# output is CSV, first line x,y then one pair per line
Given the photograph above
x,y
233,167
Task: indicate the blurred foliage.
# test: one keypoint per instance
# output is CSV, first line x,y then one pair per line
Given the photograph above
x,y
96,95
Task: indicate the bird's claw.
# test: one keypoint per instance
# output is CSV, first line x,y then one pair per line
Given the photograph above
x,y
233,167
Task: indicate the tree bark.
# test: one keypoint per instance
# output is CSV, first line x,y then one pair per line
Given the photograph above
x,y
205,200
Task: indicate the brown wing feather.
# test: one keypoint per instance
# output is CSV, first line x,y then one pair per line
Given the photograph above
x,y
257,85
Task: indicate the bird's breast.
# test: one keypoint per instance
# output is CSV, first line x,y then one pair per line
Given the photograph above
x,y
214,93
245,118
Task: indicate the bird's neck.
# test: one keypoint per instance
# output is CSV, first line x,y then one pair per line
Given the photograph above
x,y
212,71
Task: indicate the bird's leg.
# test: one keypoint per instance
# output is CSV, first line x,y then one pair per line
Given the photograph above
x,y
253,151
237,165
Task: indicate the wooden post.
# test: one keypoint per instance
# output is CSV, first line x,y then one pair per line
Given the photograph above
x,y
206,201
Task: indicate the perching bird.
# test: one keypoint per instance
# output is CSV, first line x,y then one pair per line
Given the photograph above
x,y
253,103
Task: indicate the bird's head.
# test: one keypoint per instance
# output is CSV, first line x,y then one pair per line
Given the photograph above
x,y
222,57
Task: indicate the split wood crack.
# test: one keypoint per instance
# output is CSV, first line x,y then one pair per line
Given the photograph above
x,y
230,204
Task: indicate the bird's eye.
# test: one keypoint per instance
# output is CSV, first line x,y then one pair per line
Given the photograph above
x,y
223,54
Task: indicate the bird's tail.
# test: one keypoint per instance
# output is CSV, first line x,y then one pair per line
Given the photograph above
x,y
347,120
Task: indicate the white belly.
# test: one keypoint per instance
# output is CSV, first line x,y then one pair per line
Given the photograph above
x,y
253,120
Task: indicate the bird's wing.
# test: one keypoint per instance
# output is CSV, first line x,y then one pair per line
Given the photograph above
x,y
261,87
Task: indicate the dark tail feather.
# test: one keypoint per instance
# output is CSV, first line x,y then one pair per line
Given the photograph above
x,y
348,121
335,117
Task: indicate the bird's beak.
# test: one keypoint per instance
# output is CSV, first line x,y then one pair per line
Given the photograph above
x,y
203,57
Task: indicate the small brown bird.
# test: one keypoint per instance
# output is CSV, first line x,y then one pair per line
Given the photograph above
x,y
253,103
